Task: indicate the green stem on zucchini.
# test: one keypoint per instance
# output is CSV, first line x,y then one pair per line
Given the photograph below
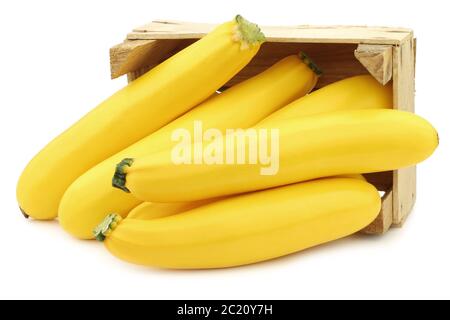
x,y
248,33
310,63
108,224
119,179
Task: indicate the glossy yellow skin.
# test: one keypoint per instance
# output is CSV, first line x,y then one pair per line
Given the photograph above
x,y
152,210
91,197
358,92
249,228
323,145
142,107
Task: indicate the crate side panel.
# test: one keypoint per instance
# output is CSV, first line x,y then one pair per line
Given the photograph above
x,y
404,188
337,61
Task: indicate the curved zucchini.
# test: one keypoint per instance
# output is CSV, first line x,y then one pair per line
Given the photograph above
x,y
142,107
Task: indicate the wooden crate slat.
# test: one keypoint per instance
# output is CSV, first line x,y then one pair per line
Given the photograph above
x,y
131,56
384,220
404,191
312,34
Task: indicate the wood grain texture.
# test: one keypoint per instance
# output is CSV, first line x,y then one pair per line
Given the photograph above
x,y
133,55
383,181
377,59
384,220
303,33
404,183
133,75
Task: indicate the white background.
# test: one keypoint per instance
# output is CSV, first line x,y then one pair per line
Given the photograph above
x,y
55,67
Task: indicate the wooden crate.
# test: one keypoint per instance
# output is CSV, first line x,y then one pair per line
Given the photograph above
x,y
340,51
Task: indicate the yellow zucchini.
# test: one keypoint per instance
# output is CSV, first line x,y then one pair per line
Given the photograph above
x,y
358,92
91,197
145,105
152,210
328,144
247,228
